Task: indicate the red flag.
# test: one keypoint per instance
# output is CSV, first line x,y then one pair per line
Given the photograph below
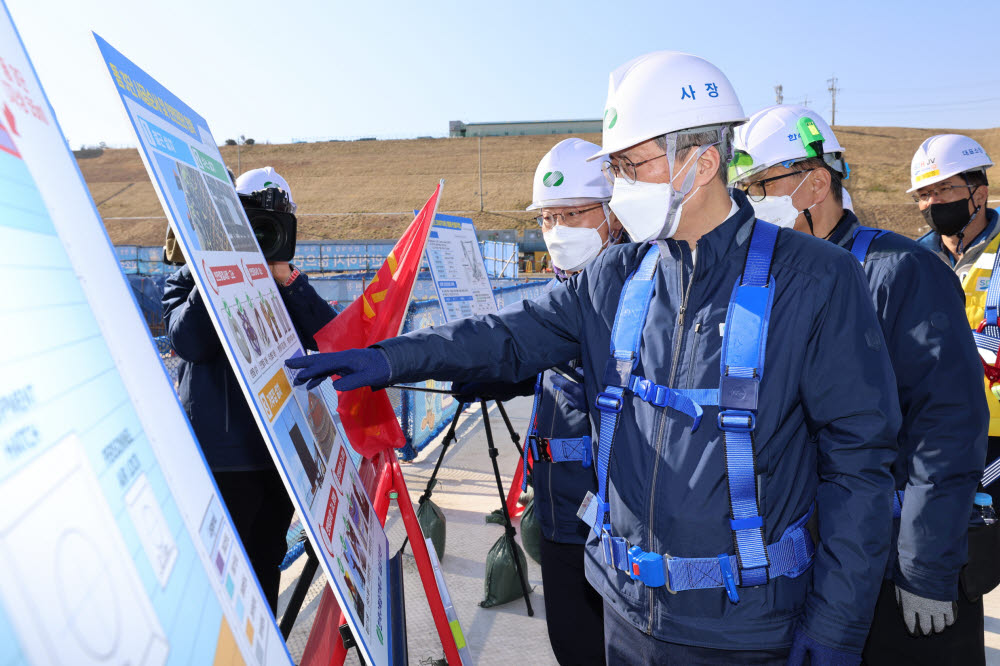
x,y
368,418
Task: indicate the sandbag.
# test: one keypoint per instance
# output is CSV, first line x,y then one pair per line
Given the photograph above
x,y
502,583
433,525
531,532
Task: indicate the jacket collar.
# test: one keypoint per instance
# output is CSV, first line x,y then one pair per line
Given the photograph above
x,y
728,237
843,233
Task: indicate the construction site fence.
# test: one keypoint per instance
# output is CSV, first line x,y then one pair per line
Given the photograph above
x,y
327,257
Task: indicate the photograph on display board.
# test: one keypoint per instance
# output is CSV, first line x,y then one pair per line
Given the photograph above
x,y
229,208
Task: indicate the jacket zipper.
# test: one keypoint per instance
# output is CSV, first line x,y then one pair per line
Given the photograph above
x,y
663,416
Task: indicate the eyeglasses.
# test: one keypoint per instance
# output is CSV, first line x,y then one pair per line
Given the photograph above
x,y
623,167
757,190
939,192
548,221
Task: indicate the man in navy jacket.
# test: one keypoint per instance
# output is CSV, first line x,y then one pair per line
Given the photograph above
x,y
822,418
790,164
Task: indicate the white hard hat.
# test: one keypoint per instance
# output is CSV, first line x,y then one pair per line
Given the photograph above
x,y
259,179
783,134
663,92
846,196
943,156
564,177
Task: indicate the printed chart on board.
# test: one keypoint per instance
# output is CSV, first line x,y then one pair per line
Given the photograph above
x,y
458,269
114,546
301,427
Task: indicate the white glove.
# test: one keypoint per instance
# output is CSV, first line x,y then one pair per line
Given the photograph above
x,y
932,615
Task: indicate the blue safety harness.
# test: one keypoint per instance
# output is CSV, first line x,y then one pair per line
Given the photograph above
x,y
552,449
742,368
863,237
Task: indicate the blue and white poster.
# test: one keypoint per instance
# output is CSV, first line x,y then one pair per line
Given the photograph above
x,y
114,545
458,269
301,427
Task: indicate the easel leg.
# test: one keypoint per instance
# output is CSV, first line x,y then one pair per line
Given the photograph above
x,y
514,437
509,529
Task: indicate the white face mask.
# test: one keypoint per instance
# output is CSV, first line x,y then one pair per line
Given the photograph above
x,y
650,211
778,210
572,248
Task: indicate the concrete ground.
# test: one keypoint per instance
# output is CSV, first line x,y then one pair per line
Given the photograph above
x,y
466,492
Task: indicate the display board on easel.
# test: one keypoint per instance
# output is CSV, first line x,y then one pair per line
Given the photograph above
x,y
114,544
301,427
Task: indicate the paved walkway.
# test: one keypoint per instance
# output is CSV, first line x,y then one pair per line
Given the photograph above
x,y
466,492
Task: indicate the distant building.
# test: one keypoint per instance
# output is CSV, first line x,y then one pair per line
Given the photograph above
x,y
456,128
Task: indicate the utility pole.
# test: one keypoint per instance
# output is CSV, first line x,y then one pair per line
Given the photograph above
x,y
833,99
805,101
779,97
480,174
239,142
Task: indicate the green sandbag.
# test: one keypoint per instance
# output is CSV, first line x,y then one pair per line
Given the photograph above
x,y
495,517
432,524
501,583
531,533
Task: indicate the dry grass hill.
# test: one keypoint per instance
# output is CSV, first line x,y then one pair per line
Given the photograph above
x,y
360,189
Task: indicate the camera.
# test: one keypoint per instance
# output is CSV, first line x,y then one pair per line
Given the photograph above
x,y
273,222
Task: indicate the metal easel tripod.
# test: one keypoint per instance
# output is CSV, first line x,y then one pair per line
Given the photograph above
x,y
449,438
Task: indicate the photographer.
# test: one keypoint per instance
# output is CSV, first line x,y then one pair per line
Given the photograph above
x,y
211,395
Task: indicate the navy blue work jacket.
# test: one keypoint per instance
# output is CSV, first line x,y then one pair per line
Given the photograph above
x,y
825,434
942,442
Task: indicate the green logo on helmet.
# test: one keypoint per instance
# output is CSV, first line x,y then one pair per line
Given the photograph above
x,y
552,179
610,117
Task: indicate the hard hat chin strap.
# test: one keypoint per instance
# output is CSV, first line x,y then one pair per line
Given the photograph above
x,y
975,213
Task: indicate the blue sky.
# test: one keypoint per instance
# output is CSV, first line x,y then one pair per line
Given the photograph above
x,y
296,70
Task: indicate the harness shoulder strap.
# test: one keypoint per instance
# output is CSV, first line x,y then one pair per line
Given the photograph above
x,y
743,348
626,337
862,240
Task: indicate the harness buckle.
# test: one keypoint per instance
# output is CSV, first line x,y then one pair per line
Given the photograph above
x,y
737,420
647,568
608,402
738,393
728,580
540,448
617,372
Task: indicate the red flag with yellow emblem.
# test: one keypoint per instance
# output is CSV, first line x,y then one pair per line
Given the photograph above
x,y
368,418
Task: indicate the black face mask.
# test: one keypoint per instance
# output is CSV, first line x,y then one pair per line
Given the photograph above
x,y
949,219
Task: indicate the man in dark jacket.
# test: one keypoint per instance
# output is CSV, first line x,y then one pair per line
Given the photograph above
x,y
702,536
221,418
571,195
788,160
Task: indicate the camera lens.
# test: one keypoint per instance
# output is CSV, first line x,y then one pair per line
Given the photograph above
x,y
270,234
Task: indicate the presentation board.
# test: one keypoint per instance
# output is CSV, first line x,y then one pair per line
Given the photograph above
x,y
458,270
114,545
301,427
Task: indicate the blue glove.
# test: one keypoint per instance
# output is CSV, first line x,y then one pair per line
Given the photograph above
x,y
575,394
470,392
804,645
356,368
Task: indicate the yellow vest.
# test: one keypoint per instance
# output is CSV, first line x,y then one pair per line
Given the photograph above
x,y
975,284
